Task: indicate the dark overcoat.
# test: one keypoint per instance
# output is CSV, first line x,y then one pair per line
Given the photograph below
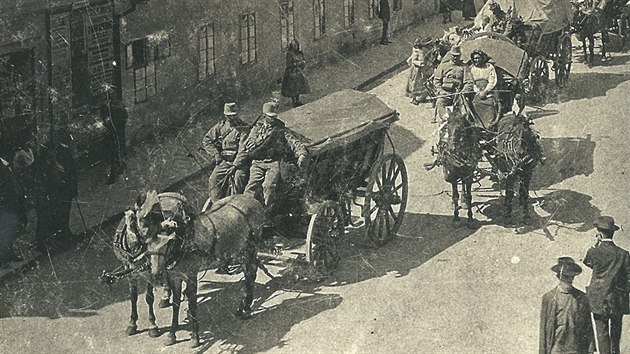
x,y
608,291
294,82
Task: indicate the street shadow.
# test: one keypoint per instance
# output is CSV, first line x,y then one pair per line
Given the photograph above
x,y
278,309
590,85
562,208
405,141
564,158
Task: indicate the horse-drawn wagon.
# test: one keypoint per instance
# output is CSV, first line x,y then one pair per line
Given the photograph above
x,y
541,29
346,134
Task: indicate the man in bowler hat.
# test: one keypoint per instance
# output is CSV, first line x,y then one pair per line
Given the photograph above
x,y
565,319
608,291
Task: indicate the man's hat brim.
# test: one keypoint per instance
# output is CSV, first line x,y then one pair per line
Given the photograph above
x,y
568,269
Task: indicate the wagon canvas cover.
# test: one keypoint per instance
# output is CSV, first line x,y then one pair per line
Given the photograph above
x,y
338,119
551,15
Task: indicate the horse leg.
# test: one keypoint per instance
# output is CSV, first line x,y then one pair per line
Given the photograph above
x,y
468,198
509,195
591,49
523,195
191,313
176,289
150,298
455,203
250,270
133,294
584,49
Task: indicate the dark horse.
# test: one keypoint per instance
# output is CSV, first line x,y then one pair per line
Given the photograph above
x,y
158,237
459,153
513,153
586,24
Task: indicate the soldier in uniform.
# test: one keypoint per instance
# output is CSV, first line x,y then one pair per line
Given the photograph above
x,y
610,283
565,319
267,145
223,143
451,77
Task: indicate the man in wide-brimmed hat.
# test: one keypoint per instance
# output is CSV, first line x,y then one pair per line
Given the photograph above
x,y
608,291
565,323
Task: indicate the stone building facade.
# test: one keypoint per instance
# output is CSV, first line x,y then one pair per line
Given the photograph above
x,y
168,61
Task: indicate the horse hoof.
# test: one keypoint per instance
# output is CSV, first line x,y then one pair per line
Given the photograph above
x,y
170,339
153,332
131,330
243,314
164,303
194,342
456,223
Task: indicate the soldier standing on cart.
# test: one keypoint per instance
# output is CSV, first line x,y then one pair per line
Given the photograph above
x,y
223,143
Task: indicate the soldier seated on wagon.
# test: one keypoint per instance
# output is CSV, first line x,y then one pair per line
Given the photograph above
x,y
223,143
268,144
451,77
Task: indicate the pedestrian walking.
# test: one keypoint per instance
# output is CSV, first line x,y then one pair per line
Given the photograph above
x,y
55,187
468,10
565,319
608,290
11,207
419,71
223,142
114,117
294,82
385,16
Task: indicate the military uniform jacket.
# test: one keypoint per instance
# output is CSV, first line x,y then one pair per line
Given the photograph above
x,y
452,78
608,291
269,140
225,140
565,323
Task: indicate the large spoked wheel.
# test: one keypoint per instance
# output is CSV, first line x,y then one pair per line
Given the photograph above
x,y
323,237
385,199
538,79
563,61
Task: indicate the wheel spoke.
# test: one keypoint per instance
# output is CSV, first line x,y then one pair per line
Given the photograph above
x,y
391,211
387,225
402,184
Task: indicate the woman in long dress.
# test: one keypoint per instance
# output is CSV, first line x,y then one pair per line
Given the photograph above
x,y
294,82
419,71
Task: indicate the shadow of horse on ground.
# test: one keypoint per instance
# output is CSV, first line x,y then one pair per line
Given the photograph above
x,y
562,208
590,85
564,158
279,307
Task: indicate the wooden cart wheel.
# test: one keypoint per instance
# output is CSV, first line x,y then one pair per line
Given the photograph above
x,y
322,239
538,78
385,199
563,61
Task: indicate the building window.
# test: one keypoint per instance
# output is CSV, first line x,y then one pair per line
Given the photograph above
x,y
248,38
372,8
348,13
141,59
319,11
287,23
206,51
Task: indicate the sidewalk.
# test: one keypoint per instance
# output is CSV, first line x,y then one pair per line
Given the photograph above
x,y
174,157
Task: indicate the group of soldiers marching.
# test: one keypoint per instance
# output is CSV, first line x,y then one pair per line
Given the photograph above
x,y
247,158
